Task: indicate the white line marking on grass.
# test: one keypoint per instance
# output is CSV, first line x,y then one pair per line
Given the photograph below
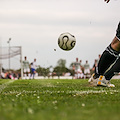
x,y
93,92
3,86
74,92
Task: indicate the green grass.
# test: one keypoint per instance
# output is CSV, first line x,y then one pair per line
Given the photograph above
x,y
58,100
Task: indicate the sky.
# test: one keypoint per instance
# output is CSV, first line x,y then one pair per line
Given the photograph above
x,y
36,25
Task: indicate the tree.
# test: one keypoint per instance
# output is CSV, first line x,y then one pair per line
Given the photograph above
x,y
61,63
61,67
43,71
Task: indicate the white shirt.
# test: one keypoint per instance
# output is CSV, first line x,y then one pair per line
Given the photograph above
x,y
34,65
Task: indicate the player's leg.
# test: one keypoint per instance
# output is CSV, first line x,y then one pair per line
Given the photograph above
x,y
85,72
88,73
76,74
24,72
28,71
114,69
109,55
104,80
33,74
107,58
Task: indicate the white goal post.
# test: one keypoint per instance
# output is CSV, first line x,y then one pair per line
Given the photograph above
x,y
7,53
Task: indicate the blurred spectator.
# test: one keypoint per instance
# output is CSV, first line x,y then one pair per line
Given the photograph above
x,y
10,75
80,74
86,70
67,74
33,68
94,66
77,69
81,66
76,66
26,68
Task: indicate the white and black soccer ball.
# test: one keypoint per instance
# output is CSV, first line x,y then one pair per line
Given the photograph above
x,y
66,41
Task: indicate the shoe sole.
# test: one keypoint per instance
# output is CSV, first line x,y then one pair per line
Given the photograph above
x,y
99,83
103,85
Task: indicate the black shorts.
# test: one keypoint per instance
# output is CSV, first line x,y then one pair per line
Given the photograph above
x,y
118,31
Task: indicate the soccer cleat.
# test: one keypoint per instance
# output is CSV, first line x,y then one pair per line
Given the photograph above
x,y
103,82
92,80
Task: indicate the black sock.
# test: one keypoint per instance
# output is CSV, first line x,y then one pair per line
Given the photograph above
x,y
111,72
108,57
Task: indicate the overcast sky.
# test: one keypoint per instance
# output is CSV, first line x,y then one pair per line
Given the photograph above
x,y
36,25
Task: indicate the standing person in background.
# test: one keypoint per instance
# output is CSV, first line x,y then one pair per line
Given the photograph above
x,y
33,68
26,68
77,69
76,65
86,70
94,66
80,74
81,66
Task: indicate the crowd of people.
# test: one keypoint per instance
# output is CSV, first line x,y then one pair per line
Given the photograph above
x,y
10,75
82,71
29,71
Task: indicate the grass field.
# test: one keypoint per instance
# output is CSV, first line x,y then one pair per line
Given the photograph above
x,y
58,100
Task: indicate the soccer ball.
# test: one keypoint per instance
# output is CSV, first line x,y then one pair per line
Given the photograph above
x,y
66,41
